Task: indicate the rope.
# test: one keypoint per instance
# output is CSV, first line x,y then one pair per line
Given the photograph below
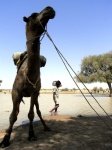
x,y
33,84
29,41
64,60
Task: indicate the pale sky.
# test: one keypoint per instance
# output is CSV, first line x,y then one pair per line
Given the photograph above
x,y
79,29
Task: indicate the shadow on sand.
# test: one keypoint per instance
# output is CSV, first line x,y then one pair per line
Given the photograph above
x,y
73,133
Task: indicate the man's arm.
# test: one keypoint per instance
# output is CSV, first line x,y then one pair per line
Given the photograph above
x,y
54,97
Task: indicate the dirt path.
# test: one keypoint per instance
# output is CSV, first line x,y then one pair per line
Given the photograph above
x,y
73,133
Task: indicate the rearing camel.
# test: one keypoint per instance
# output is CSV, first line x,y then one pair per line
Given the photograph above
x,y
27,82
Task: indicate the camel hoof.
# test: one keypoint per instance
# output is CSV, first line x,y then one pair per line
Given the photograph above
x,y
5,142
46,129
79,116
32,136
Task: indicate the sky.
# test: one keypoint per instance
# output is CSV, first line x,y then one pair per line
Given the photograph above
x,y
79,29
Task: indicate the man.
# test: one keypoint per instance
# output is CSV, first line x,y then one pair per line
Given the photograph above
x,y
57,84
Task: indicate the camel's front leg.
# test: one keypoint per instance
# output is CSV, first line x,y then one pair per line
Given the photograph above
x,y
13,117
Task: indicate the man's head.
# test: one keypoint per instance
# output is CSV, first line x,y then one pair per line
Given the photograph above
x,y
58,83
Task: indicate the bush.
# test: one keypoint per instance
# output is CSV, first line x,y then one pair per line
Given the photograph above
x,y
66,89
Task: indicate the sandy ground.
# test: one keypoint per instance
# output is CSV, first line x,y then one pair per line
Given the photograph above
x,y
73,133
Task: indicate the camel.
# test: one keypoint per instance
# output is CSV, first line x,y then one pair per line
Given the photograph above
x,y
27,81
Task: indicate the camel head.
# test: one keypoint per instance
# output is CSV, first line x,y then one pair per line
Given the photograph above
x,y
35,24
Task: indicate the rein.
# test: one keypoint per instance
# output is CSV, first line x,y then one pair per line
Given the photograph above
x,y
33,84
29,41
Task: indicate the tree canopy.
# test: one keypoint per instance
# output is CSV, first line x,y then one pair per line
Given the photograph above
x,y
97,68
0,82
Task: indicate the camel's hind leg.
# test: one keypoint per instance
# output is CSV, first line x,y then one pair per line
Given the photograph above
x,y
46,128
34,101
31,117
13,117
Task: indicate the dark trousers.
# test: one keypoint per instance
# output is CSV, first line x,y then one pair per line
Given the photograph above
x,y
56,105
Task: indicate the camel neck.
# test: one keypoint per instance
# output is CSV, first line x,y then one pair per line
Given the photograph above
x,y
33,64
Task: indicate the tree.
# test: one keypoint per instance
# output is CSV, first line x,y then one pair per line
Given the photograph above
x,y
0,81
97,68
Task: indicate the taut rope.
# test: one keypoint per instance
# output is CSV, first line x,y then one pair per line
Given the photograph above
x,y
64,60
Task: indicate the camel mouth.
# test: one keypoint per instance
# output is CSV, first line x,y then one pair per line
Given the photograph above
x,y
48,12
51,12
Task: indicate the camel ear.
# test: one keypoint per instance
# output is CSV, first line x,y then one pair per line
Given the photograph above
x,y
25,19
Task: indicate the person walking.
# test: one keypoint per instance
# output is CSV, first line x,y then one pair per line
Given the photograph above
x,y
56,85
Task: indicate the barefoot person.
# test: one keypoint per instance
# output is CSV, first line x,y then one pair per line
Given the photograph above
x,y
56,85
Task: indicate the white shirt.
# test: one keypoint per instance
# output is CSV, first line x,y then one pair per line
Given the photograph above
x,y
55,89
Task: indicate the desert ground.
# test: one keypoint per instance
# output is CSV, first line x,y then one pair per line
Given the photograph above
x,y
73,133
67,132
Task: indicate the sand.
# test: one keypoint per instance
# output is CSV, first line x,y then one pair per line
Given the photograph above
x,y
73,133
